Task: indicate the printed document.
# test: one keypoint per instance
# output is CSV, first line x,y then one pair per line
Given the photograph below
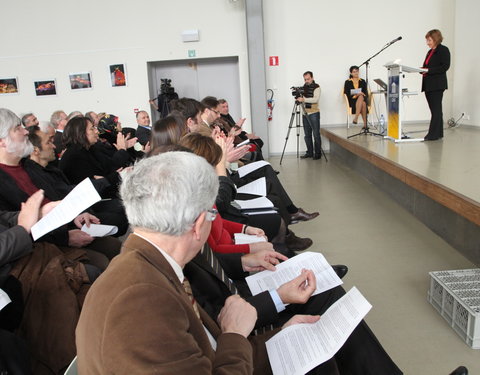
x,y
290,269
250,204
297,349
100,230
257,187
77,201
250,167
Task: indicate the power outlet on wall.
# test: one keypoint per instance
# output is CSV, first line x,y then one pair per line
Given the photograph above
x,y
466,116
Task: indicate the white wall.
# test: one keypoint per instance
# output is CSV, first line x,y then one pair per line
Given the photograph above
x,y
55,37
52,38
329,36
466,77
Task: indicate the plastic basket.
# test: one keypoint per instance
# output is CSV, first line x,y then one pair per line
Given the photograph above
x,y
456,296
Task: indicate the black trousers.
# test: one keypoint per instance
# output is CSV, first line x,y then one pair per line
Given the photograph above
x,y
434,100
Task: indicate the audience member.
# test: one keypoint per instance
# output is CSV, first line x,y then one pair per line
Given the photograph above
x,y
93,117
29,120
74,114
168,199
81,160
56,185
54,285
144,130
59,121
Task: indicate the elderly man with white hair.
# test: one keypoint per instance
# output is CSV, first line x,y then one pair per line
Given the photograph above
x,y
140,316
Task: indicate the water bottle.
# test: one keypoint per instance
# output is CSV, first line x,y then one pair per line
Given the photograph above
x,y
382,124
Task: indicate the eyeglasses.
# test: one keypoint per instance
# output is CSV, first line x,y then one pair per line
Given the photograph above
x,y
211,214
214,111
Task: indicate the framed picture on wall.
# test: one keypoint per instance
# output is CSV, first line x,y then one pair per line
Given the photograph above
x,y
8,86
80,81
118,75
45,88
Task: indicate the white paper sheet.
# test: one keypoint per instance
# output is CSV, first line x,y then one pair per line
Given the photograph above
x,y
100,230
297,349
257,187
4,299
76,202
261,202
250,167
242,239
355,91
245,142
290,269
250,213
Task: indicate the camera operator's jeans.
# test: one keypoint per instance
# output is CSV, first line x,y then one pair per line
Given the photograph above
x,y
315,129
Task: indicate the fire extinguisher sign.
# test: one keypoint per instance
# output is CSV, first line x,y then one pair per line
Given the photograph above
x,y
273,60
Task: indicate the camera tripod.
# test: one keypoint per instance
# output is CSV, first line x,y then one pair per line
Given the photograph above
x,y
298,107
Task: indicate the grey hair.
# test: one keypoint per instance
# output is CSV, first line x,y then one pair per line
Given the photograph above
x,y
55,118
44,126
8,120
74,114
166,193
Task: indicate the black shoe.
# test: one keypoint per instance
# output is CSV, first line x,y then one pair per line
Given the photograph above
x,y
340,269
295,243
317,157
462,370
301,215
306,156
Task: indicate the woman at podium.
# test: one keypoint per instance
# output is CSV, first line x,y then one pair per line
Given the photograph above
x,y
434,81
356,91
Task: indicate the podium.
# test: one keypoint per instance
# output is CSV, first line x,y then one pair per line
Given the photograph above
x,y
394,100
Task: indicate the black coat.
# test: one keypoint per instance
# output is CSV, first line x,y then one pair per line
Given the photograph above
x,y
436,78
79,163
143,135
362,84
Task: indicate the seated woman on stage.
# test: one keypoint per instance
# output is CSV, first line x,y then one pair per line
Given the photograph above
x,y
357,102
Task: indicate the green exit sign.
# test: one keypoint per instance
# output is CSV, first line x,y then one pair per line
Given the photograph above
x,y
191,53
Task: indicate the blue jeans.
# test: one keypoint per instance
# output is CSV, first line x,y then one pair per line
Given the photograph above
x,y
315,129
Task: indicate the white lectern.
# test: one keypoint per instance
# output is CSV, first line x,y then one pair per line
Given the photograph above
x,y
394,102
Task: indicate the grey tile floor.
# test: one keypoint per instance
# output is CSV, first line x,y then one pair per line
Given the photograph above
x,y
389,253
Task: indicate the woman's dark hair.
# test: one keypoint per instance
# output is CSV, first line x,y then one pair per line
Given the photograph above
x,y
352,68
166,131
203,146
75,132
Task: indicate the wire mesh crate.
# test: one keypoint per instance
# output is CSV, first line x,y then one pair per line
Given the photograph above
x,y
456,296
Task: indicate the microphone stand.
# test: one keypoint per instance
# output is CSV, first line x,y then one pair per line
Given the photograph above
x,y
366,130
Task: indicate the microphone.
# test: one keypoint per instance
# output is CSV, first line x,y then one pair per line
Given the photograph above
x,y
395,40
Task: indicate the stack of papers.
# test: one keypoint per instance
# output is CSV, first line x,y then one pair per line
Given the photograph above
x,y
243,239
253,204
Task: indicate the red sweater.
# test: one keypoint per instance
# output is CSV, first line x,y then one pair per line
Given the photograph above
x,y
221,240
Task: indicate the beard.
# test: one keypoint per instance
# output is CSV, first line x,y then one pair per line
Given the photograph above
x,y
19,149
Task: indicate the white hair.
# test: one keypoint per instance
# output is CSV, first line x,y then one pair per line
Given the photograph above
x,y
166,193
8,120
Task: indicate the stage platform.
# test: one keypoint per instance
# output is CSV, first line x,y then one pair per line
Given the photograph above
x,y
437,181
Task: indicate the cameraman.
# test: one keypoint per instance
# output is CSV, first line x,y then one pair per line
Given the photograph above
x,y
311,96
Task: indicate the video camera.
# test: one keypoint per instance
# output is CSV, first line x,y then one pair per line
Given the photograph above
x,y
166,86
297,92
